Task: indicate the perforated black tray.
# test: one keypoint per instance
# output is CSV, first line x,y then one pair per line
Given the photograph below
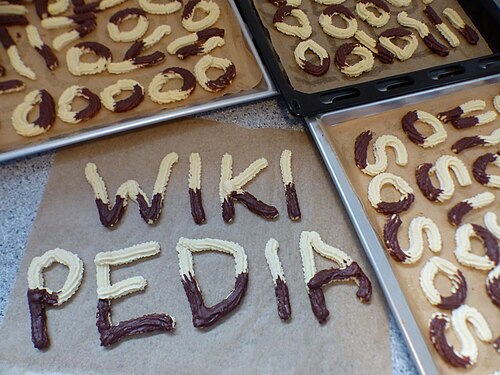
x,y
485,14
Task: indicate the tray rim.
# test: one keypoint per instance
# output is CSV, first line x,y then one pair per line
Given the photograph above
x,y
370,241
265,89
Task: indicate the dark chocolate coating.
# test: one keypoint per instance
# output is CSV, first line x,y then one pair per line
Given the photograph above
x,y
47,109
379,3
338,9
92,7
470,35
2,71
282,12
317,70
432,15
489,242
86,27
111,334
152,59
131,102
204,316
93,107
197,211
437,328
48,55
352,271
228,210
479,167
450,115
119,16
99,49
408,121
13,20
224,80
11,84
254,205
465,122
396,32
150,214
496,344
457,298
467,142
361,149
384,55
196,48
435,46
189,8
389,208
424,182
134,50
41,8
341,54
189,79
5,38
110,215
493,290
391,241
457,212
292,202
318,304
282,299
38,300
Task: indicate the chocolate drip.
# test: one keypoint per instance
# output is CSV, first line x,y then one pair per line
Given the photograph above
x,y
480,165
120,16
467,142
456,298
13,20
282,12
47,111
432,15
110,334
228,210
339,9
450,115
150,214
436,47
318,304
94,105
197,211
189,79
254,205
342,52
292,202
465,122
361,149
437,329
134,50
391,229
457,212
38,300
409,128
424,182
317,70
223,80
204,316
282,299
41,7
48,55
131,102
149,60
489,242
5,38
493,289
470,35
189,8
110,215
389,208
10,85
352,271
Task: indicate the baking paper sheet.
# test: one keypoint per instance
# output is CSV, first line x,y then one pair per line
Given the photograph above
x,y
342,137
284,45
355,339
248,74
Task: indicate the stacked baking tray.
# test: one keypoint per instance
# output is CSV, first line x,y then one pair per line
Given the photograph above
x,y
326,108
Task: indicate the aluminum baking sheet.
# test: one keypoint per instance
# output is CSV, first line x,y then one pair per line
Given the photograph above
x,y
373,247
265,89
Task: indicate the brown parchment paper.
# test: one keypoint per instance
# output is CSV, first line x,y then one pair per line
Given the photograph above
x,y
355,339
284,45
248,74
342,137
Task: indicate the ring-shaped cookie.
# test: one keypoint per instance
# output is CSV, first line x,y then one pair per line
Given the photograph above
x,y
159,8
303,30
131,35
360,67
44,121
429,272
221,82
479,170
79,68
376,20
211,9
65,111
385,39
199,43
463,247
108,95
308,67
438,136
159,80
326,22
389,208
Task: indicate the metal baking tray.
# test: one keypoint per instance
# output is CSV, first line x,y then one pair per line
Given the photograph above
x,y
485,14
367,235
265,89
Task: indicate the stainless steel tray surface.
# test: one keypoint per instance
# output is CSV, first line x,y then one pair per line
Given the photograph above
x,y
368,237
265,89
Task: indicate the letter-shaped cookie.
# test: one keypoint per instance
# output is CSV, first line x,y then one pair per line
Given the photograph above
x,y
111,333
231,189
110,215
292,202
40,296
311,242
463,247
194,189
204,316
280,285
